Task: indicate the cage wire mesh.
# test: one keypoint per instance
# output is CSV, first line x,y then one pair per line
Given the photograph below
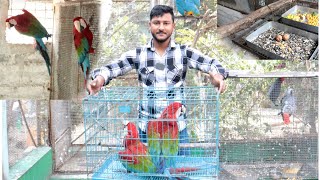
x,y
105,114
68,78
256,142
68,135
22,116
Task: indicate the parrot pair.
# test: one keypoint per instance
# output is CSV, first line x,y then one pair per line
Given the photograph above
x,y
28,25
188,7
274,90
135,157
163,136
83,37
288,103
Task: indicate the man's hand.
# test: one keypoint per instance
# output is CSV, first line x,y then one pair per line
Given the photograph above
x,y
94,86
217,81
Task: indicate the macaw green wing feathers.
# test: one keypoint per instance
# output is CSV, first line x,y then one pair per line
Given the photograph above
x,y
29,25
135,157
83,43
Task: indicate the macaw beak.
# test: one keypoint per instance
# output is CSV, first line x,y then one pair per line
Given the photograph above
x,y
9,25
182,110
83,24
77,25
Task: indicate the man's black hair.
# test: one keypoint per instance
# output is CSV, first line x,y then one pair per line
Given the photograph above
x,y
159,10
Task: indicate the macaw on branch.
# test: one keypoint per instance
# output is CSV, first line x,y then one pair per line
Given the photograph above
x,y
28,25
83,43
274,90
163,137
188,7
288,103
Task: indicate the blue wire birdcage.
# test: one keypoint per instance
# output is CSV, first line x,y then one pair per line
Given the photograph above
x,y
105,113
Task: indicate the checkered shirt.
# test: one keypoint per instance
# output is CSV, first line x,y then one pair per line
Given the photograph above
x,y
160,73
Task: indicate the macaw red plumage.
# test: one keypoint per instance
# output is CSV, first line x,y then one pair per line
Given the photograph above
x,y
163,136
28,25
83,38
135,156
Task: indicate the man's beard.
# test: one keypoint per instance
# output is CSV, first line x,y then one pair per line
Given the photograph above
x,y
154,35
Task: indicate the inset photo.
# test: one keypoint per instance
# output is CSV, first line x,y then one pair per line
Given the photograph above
x,y
271,29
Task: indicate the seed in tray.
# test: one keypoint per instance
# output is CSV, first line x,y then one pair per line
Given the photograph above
x,y
295,47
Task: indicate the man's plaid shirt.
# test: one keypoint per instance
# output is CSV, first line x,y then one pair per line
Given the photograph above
x,y
159,72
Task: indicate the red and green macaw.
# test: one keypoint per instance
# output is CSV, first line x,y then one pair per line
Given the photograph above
x,y
135,156
163,137
188,7
83,43
28,25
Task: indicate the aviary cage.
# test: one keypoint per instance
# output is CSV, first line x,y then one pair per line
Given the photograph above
x,y
255,141
105,113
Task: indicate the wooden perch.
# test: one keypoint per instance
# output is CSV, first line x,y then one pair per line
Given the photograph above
x,y
244,23
25,121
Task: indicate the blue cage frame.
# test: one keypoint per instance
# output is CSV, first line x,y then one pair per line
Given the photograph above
x,y
104,132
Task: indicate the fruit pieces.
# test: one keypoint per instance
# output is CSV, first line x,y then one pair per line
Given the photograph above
x,y
308,18
313,19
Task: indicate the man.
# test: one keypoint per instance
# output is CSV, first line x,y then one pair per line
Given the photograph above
x,y
160,64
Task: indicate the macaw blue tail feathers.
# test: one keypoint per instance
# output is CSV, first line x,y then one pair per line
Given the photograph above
x,y
160,164
43,51
85,66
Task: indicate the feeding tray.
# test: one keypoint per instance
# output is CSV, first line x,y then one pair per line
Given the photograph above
x,y
297,17
300,46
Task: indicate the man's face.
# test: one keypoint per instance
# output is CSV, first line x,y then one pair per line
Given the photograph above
x,y
161,27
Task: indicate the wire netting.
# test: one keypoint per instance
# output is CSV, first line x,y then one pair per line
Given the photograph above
x,y
105,114
68,78
27,122
256,141
68,134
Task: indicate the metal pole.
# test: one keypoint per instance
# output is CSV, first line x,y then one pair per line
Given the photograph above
x,y
5,155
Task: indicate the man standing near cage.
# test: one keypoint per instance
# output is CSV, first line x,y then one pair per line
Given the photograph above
x,y
160,64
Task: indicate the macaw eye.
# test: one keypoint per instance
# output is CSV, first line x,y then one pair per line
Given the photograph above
x,y
12,22
183,109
